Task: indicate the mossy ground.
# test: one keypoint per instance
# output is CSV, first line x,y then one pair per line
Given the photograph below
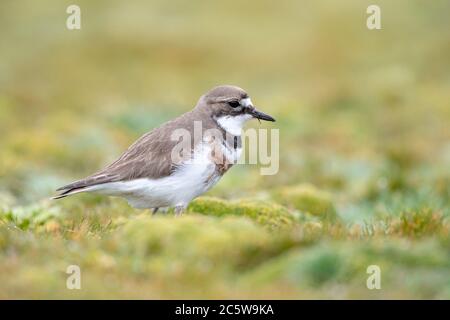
x,y
219,249
364,149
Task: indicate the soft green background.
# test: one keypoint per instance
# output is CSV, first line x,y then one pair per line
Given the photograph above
x,y
364,148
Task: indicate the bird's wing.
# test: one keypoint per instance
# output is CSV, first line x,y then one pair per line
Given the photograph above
x,y
148,157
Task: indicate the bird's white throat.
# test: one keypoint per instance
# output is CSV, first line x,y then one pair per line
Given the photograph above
x,y
233,124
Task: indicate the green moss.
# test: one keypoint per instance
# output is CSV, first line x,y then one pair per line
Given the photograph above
x,y
265,213
194,242
345,263
31,216
307,199
310,267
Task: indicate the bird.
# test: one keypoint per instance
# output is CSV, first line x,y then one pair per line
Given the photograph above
x,y
158,171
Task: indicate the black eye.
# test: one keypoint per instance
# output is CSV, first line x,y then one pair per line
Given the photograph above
x,y
234,104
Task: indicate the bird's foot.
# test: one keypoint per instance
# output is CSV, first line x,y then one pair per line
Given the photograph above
x,y
162,210
179,210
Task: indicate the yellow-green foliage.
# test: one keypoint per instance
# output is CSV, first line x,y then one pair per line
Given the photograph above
x,y
193,242
222,255
419,223
266,213
33,216
336,264
307,199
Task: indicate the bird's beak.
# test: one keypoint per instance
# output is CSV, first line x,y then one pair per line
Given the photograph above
x,y
259,115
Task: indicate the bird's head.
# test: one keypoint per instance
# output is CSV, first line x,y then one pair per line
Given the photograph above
x,y
231,107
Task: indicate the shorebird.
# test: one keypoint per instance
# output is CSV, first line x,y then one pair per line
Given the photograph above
x,y
150,175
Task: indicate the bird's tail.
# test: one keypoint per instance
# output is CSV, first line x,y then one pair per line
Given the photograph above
x,y
88,184
68,192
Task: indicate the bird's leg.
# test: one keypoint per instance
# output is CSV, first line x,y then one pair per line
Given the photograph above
x,y
155,210
179,210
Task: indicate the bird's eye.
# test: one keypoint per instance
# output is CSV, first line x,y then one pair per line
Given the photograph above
x,y
234,104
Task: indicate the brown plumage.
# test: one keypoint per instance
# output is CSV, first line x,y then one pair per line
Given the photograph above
x,y
150,156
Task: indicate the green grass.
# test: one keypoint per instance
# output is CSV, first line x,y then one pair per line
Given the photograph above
x,y
364,149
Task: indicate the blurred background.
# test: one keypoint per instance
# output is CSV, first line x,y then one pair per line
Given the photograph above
x,y
363,114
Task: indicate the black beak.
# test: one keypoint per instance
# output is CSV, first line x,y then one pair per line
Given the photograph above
x,y
260,115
